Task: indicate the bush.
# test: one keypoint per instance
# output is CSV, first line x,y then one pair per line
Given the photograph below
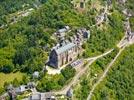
x,y
68,72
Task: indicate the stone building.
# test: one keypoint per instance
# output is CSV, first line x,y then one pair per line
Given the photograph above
x,y
62,32
63,55
68,51
42,96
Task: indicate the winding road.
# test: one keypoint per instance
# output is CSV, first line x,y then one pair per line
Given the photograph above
x,y
79,74
104,74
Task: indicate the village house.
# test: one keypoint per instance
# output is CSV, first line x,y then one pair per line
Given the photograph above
x,y
102,17
14,91
127,12
62,32
66,52
122,1
36,74
42,96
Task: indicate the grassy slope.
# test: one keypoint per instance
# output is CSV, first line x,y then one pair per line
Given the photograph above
x,y
9,77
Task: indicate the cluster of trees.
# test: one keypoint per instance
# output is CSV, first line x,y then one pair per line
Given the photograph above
x,y
15,83
90,77
11,6
83,92
132,24
119,83
55,82
107,37
129,5
22,44
25,45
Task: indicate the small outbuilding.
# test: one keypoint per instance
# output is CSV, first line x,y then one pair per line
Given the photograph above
x,y
21,89
36,74
35,97
69,93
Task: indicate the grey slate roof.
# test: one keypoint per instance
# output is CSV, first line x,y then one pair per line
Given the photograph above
x,y
62,30
65,48
35,97
20,89
36,74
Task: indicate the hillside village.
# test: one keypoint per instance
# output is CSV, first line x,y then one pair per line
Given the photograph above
x,y
67,50
66,62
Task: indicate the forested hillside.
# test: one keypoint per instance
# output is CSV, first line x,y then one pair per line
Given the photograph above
x,y
25,45
21,44
119,83
11,6
92,75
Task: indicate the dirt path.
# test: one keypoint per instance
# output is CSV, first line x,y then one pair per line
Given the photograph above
x,y
104,74
79,74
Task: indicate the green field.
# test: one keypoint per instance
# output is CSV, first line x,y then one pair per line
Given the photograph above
x,y
9,77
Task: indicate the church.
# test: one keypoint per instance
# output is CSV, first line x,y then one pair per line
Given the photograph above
x,y
67,51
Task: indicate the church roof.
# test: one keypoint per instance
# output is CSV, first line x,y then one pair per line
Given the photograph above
x,y
65,48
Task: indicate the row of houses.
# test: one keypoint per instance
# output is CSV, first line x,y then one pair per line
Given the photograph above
x,y
129,33
42,96
14,91
68,50
50,96
61,32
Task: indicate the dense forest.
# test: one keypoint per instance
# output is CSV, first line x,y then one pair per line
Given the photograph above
x,y
119,83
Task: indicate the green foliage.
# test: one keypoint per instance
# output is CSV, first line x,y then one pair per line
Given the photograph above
x,y
11,6
49,83
55,82
132,23
15,82
21,44
89,79
25,80
129,5
118,84
68,72
107,36
62,81
2,90
84,89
